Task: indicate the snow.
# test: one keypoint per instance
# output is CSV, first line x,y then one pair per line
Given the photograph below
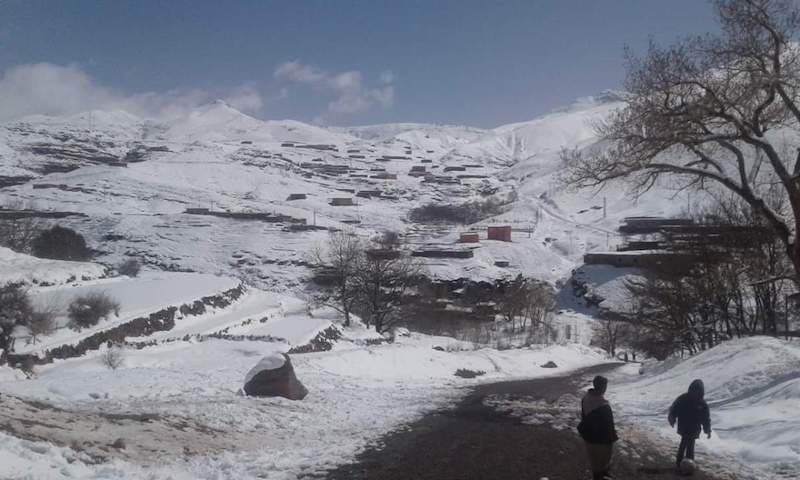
x,y
608,282
752,388
18,267
272,361
218,158
137,297
357,393
208,165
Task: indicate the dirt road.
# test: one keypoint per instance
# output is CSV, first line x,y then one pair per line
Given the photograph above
x,y
509,431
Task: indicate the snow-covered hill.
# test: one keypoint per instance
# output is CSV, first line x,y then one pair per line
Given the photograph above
x,y
753,389
134,179
168,194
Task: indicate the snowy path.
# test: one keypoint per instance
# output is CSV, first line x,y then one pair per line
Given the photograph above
x,y
518,429
177,409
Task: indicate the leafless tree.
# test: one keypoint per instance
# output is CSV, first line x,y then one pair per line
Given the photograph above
x,y
338,264
540,304
18,233
721,295
709,111
383,282
525,302
513,301
113,357
612,329
41,322
15,310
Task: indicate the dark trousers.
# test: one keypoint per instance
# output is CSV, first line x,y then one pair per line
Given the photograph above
x,y
599,458
686,449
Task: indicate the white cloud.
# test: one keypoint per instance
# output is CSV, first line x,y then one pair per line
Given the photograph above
x,y
245,99
297,72
49,89
347,89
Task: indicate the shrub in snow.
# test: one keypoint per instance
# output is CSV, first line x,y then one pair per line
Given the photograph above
x,y
27,366
466,373
15,309
41,323
87,310
113,357
129,267
61,243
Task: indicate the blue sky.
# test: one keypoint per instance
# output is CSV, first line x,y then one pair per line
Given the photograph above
x,y
481,63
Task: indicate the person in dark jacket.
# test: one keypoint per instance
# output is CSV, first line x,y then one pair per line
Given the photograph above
x,y
597,429
691,412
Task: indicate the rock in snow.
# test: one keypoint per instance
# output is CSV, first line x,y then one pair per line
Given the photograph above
x,y
550,364
274,376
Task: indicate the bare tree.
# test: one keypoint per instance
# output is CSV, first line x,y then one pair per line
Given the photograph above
x,y
113,357
41,322
384,280
18,232
15,310
337,265
513,301
613,329
708,111
540,304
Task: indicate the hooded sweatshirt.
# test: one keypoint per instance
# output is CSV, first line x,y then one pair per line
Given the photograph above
x,y
691,411
597,421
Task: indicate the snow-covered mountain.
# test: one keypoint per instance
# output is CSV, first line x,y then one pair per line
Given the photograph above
x,y
168,193
219,158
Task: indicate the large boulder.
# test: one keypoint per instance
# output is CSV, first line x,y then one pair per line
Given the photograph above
x,y
274,376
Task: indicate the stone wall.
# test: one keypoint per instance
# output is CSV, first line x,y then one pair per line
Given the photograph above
x,y
159,321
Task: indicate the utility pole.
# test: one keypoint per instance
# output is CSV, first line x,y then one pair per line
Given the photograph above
x,y
604,207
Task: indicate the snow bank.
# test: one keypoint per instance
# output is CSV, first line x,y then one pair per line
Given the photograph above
x,y
23,459
414,358
607,283
753,390
18,267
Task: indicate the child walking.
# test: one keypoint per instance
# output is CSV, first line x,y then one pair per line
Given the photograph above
x,y
597,429
691,412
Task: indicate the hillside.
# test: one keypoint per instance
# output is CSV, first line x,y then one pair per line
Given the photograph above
x,y
223,209
752,387
134,180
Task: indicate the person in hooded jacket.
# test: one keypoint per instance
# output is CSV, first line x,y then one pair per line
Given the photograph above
x,y
691,412
597,429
